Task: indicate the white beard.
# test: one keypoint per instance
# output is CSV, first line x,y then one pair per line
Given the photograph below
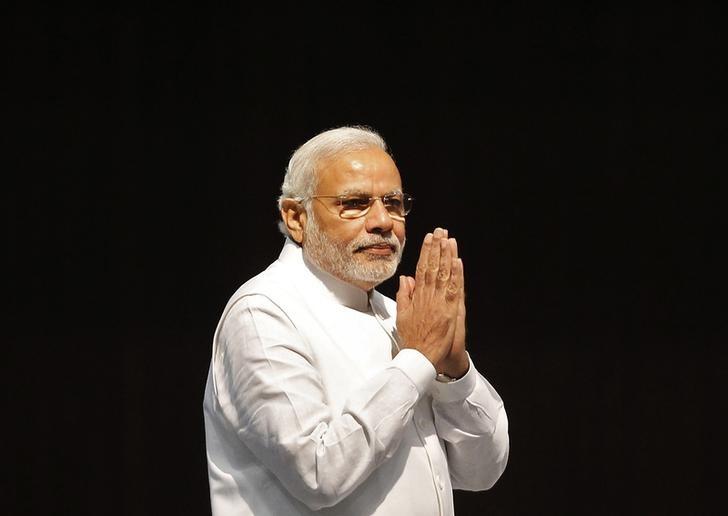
x,y
344,262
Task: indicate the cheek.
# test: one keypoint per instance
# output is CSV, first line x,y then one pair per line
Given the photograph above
x,y
345,232
399,232
336,228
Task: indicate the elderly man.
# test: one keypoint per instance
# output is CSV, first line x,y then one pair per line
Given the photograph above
x,y
323,395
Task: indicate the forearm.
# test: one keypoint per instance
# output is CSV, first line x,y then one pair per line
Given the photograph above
x,y
272,395
471,418
322,457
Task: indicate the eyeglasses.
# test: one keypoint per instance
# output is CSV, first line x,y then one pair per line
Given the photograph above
x,y
397,204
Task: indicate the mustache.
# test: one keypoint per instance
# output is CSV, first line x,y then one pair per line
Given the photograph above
x,y
373,240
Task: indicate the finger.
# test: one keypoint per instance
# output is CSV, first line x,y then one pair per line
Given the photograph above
x,y
461,277
443,273
461,311
453,248
461,307
421,269
433,260
460,324
454,286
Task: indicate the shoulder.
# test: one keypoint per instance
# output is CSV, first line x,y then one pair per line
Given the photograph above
x,y
274,281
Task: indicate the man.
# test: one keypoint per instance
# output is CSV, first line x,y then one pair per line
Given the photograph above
x,y
323,395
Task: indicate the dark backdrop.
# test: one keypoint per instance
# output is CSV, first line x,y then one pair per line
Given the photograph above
x,y
576,154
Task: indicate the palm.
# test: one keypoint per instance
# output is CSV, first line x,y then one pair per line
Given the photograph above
x,y
458,342
456,363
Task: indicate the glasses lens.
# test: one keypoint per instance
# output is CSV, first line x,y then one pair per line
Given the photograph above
x,y
406,203
352,207
397,205
394,204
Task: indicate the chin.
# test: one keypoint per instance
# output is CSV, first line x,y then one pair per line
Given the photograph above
x,y
375,271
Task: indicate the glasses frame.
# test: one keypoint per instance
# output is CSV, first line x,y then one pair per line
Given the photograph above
x,y
372,200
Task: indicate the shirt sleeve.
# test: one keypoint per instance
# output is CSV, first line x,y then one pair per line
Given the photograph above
x,y
272,396
471,419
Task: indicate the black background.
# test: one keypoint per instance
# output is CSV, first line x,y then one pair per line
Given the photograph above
x,y
576,154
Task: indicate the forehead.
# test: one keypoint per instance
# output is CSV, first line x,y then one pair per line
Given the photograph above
x,y
368,171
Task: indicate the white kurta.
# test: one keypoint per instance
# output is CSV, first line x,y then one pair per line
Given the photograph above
x,y
307,412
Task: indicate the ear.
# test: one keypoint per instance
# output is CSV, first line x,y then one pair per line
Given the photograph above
x,y
294,217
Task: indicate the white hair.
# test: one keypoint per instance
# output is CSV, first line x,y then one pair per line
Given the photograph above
x,y
301,178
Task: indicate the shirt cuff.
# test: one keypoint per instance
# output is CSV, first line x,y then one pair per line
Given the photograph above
x,y
457,390
417,368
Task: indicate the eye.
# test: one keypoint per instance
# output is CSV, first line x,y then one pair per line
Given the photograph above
x,y
354,203
394,201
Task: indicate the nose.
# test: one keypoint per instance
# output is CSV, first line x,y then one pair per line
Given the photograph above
x,y
378,219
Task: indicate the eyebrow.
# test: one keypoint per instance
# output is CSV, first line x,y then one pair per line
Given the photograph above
x,y
356,191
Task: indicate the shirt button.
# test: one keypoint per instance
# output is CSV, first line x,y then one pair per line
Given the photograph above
x,y
440,483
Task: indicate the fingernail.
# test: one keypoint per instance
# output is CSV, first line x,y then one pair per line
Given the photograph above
x,y
428,237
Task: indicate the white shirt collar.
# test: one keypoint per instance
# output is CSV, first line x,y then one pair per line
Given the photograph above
x,y
321,281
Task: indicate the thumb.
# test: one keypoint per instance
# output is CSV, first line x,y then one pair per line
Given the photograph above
x,y
404,295
411,282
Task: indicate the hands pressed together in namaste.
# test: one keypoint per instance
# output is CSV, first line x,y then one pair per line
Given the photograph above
x,y
431,306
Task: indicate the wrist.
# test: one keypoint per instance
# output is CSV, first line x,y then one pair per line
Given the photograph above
x,y
455,368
